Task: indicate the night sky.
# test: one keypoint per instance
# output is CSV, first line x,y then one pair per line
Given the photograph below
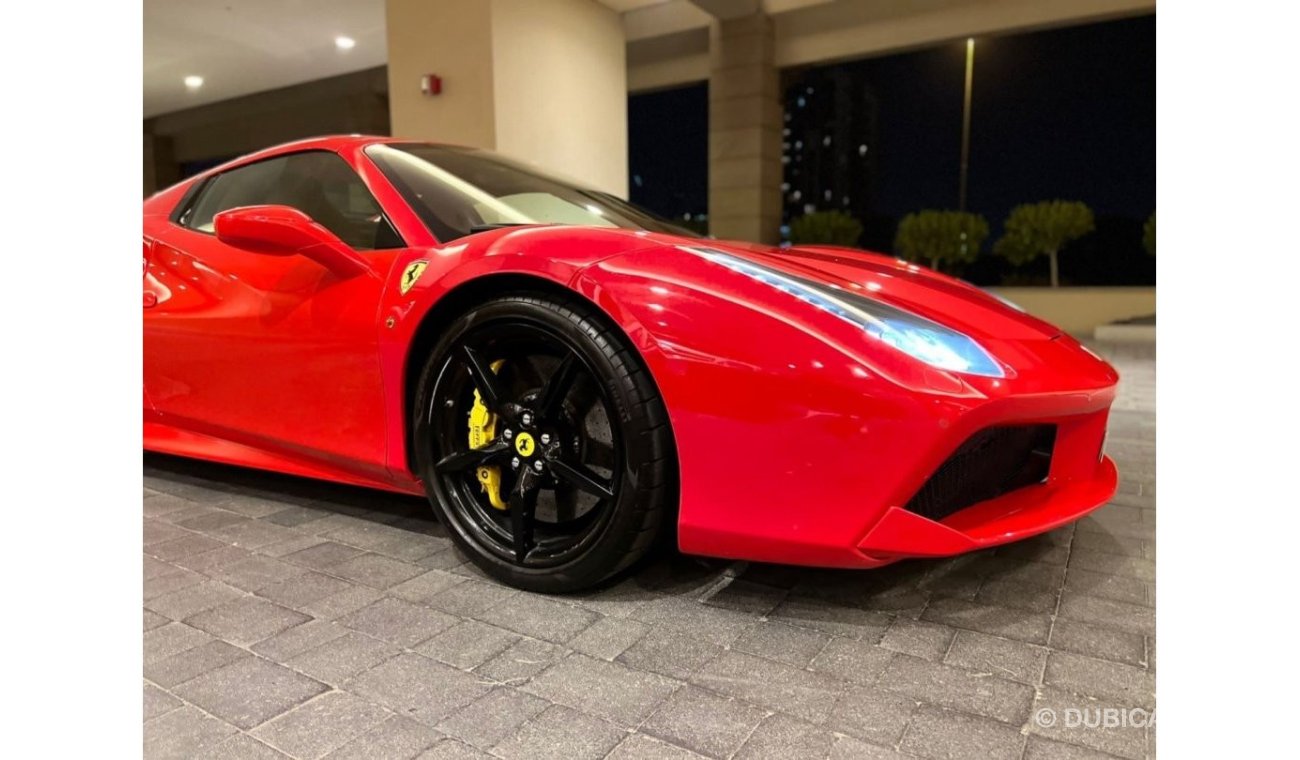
x,y
1065,113
668,150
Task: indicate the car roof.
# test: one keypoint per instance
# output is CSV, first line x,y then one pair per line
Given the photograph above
x,y
333,143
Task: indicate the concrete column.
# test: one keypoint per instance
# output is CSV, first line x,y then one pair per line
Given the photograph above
x,y
545,82
745,116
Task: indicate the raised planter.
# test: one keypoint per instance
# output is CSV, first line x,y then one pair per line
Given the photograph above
x,y
1080,311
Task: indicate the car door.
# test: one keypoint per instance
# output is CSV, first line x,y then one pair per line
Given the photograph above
x,y
275,352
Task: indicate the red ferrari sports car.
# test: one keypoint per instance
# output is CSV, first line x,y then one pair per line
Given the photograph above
x,y
568,378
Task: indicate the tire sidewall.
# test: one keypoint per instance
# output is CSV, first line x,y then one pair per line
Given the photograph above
x,y
609,551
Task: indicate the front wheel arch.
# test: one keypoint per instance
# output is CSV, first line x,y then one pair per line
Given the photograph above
x,y
637,515
465,296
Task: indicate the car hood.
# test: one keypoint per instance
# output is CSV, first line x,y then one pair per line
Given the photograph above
x,y
922,291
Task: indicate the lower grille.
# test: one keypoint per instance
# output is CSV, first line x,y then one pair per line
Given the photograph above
x,y
992,462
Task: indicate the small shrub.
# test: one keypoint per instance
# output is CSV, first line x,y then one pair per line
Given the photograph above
x,y
938,237
826,228
1035,229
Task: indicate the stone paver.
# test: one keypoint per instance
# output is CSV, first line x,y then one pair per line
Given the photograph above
x,y
1004,658
872,714
398,622
521,661
288,618
783,736
539,617
158,702
417,687
561,733
341,658
783,643
670,653
642,747
772,685
249,691
489,720
944,734
397,738
321,725
184,733
246,620
468,644
608,690
705,722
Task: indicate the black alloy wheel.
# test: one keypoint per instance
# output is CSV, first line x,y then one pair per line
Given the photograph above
x,y
579,453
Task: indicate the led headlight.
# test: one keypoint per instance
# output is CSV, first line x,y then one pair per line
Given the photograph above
x,y
912,334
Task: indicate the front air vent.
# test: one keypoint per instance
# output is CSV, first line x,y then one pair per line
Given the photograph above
x,y
993,462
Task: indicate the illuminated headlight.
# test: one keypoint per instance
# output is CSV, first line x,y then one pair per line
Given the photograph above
x,y
914,335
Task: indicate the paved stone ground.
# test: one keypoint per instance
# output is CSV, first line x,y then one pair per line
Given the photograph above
x,y
289,618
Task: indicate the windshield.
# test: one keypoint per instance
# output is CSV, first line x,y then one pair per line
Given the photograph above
x,y
459,191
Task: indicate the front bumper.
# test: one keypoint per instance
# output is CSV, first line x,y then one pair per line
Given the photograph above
x,y
832,529
1079,479
1014,516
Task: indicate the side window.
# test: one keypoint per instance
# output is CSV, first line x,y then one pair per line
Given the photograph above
x,y
318,183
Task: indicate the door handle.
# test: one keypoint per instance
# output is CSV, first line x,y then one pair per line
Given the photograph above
x,y
150,300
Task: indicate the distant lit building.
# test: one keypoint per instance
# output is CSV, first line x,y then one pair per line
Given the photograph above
x,y
829,143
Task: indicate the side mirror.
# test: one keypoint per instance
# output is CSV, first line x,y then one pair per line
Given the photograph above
x,y
286,231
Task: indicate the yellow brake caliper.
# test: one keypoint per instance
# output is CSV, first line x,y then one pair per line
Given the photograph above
x,y
482,429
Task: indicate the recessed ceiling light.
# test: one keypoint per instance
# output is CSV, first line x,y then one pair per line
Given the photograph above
x,y
193,82
344,43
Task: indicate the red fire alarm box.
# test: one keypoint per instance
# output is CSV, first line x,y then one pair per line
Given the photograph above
x,y
431,84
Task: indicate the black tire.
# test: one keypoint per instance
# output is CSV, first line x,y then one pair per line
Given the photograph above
x,y
609,380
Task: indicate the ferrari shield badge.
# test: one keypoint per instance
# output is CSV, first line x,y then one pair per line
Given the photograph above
x,y
412,275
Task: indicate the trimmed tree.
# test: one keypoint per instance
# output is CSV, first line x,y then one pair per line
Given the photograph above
x,y
1149,235
936,237
1035,229
826,228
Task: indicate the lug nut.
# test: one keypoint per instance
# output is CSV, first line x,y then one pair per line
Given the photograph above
x,y
545,438
514,463
538,465
527,418
509,434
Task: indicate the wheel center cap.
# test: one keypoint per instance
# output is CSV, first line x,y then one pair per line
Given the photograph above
x,y
524,445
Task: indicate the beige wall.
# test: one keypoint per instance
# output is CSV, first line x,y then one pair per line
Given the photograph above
x,y
561,88
453,39
668,61
356,102
1080,310
545,82
160,168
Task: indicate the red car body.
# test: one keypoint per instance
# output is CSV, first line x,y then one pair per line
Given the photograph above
x,y
798,441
